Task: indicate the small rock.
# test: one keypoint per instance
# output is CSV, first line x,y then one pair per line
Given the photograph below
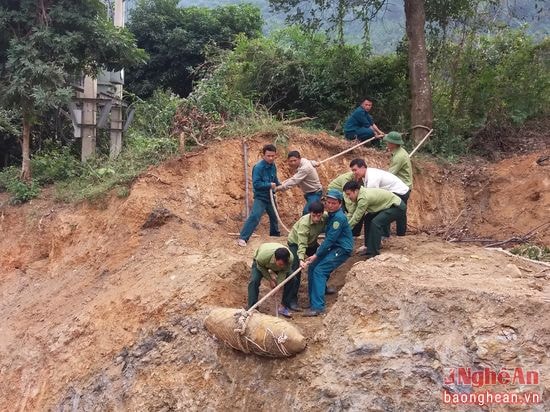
x,y
513,271
193,330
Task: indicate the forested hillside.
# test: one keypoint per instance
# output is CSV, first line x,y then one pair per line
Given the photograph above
x,y
387,28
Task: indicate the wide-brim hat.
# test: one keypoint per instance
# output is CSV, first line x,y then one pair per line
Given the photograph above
x,y
335,194
393,137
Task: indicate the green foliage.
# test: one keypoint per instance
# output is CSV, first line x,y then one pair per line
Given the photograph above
x,y
295,72
488,82
532,251
43,52
54,165
147,142
153,116
20,191
176,37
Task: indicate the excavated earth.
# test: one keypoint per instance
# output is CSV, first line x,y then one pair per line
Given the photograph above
x,y
102,304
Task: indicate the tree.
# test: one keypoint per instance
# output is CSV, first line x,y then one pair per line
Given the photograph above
x,y
45,44
419,77
176,38
330,14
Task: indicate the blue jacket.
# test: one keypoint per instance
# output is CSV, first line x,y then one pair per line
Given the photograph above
x,y
263,174
338,234
358,119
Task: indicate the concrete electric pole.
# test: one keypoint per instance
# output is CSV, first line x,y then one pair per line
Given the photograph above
x,y
116,111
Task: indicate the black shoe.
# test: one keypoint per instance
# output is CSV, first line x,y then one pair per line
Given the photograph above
x,y
330,291
294,307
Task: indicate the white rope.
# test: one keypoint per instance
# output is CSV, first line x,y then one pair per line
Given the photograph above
x,y
276,212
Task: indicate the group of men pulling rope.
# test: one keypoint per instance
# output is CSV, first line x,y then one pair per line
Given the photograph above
x,y
365,197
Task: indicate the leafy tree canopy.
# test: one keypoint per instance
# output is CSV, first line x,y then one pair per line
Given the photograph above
x,y
176,37
44,44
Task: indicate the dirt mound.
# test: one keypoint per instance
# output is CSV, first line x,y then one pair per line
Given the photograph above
x,y
99,313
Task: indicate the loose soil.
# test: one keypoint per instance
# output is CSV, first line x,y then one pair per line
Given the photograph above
x,y
102,304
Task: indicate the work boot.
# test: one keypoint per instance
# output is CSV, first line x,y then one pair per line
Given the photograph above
x,y
313,312
330,291
294,306
284,312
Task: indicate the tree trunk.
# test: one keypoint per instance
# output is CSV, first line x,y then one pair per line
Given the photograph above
x,y
25,149
421,92
340,22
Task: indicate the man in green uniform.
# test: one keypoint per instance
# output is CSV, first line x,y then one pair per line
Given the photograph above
x,y
269,257
356,210
339,183
388,208
302,242
400,164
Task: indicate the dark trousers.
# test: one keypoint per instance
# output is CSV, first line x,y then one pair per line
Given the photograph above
x,y
258,208
254,286
310,198
318,274
290,295
362,134
402,227
379,224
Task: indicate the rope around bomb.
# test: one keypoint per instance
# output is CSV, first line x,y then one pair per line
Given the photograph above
x,y
244,316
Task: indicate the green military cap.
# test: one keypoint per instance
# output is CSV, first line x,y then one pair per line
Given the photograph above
x,y
393,137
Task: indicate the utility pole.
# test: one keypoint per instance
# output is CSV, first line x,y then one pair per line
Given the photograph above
x,y
116,112
88,121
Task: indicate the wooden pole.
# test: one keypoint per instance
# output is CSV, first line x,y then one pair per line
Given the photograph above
x,y
245,159
347,150
274,290
421,142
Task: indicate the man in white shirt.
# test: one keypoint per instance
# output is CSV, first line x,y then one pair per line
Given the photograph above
x,y
305,177
380,179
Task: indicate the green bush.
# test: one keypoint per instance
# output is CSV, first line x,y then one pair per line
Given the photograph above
x,y
20,191
488,82
153,116
54,165
148,141
532,251
295,73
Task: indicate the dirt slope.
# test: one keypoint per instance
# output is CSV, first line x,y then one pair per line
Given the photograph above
x,y
101,314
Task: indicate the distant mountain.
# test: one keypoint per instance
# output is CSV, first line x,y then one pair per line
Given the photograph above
x,y
389,26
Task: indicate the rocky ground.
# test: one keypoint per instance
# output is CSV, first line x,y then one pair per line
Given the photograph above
x,y
102,304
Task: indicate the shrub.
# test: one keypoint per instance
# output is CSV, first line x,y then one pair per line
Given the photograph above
x,y
20,191
54,165
295,73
